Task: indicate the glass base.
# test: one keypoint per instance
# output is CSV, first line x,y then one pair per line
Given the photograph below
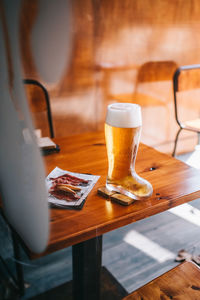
x,y
134,187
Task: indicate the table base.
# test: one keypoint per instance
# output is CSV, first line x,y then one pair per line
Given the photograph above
x,y
110,289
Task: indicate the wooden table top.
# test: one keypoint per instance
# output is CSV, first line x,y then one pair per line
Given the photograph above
x,y
173,182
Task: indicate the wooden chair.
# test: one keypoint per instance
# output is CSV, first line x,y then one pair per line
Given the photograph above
x,y
182,282
38,99
149,72
186,78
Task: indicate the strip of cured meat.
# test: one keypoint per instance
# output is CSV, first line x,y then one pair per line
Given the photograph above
x,y
64,187
69,179
64,196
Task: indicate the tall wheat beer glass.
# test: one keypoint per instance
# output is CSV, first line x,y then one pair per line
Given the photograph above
x,y
122,131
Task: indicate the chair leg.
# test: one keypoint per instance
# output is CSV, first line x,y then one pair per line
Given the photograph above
x,y
19,268
175,142
198,138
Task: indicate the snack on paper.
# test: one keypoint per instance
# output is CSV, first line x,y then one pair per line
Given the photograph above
x,y
68,189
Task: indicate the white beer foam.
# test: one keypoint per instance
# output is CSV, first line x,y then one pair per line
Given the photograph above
x,y
124,115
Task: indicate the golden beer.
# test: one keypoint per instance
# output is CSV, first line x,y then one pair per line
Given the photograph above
x,y
122,145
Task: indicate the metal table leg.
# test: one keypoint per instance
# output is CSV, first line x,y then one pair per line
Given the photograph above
x,y
87,257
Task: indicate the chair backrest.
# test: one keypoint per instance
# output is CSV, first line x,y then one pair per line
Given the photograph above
x,y
38,99
156,71
185,78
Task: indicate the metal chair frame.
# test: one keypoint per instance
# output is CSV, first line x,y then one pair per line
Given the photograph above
x,y
175,90
49,116
18,278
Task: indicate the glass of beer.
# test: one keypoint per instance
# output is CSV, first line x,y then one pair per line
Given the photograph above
x,y
122,131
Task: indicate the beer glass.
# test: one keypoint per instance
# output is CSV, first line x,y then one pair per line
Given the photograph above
x,y
122,131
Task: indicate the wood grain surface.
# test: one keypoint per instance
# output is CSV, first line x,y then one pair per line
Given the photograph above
x,y
173,182
182,282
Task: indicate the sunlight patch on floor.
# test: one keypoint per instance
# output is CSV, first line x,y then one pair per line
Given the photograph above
x,y
147,246
187,212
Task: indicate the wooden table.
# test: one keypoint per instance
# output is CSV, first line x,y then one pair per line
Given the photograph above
x,y
174,183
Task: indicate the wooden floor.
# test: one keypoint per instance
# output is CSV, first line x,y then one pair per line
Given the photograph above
x,y
127,259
